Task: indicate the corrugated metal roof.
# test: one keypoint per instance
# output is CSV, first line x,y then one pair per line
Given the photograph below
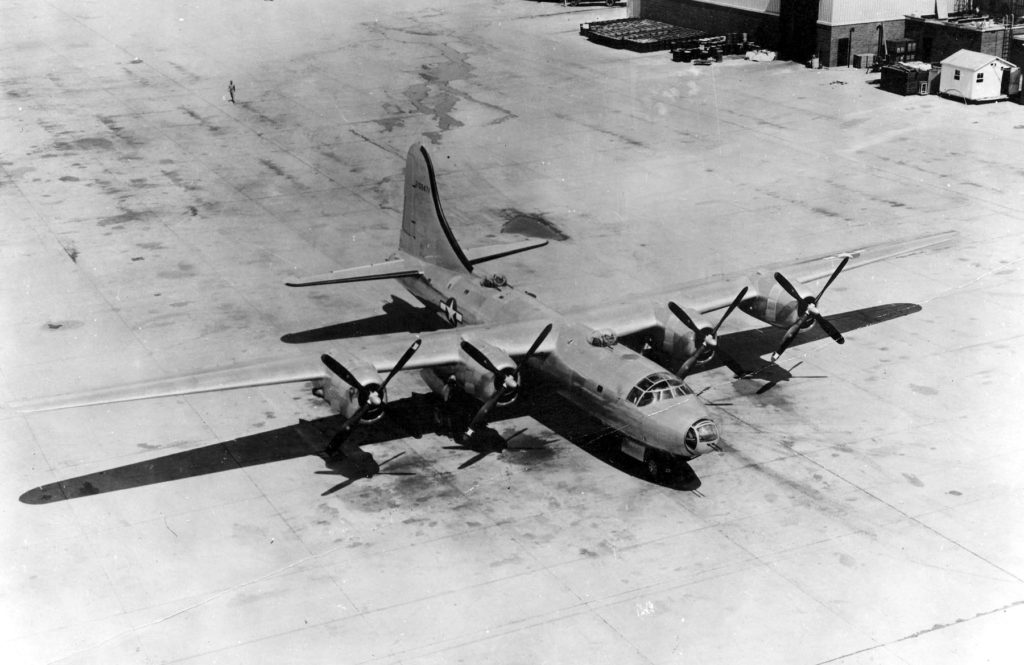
x,y
762,6
844,12
972,59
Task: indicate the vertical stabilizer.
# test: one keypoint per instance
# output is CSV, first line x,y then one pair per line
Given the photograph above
x,y
425,231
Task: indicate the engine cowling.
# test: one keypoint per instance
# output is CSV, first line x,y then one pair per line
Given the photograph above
x,y
476,380
777,308
678,342
346,399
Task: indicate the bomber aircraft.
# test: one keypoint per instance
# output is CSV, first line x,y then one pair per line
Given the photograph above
x,y
496,330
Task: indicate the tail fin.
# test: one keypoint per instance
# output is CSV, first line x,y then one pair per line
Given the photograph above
x,y
425,231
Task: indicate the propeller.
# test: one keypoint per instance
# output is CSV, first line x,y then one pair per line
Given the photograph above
x,y
505,381
371,395
808,310
706,338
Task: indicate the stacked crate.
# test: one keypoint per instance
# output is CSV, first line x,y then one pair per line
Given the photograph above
x,y
901,50
905,78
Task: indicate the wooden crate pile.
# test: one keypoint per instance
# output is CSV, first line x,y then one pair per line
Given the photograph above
x,y
904,78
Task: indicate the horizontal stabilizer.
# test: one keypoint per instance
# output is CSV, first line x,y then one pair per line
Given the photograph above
x,y
491,252
386,270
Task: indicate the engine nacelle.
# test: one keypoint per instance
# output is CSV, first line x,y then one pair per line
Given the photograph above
x,y
473,379
346,399
678,342
440,380
777,308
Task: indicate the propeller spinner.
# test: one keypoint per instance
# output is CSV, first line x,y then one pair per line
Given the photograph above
x,y
706,338
808,309
505,381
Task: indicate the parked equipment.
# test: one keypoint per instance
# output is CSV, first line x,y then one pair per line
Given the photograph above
x,y
639,34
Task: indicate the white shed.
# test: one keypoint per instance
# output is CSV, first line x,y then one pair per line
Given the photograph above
x,y
978,77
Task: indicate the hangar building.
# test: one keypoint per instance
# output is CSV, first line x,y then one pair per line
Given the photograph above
x,y
837,30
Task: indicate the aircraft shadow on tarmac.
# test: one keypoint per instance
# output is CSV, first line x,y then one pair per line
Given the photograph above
x,y
412,416
747,348
399,316
420,414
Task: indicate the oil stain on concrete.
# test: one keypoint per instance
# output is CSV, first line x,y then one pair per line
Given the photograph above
x,y
534,225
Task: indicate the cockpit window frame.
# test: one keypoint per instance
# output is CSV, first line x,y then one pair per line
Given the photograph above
x,y
657,387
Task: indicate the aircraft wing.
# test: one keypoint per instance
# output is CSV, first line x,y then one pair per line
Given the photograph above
x,y
641,312
382,352
809,270
248,375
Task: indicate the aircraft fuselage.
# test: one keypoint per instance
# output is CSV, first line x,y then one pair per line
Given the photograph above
x,y
597,374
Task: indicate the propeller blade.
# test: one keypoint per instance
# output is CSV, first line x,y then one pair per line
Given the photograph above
x,y
478,356
784,283
681,314
787,339
687,365
346,428
342,373
401,362
830,329
735,303
533,348
835,273
481,415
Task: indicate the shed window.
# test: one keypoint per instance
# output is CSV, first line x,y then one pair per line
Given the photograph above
x,y
956,74
981,77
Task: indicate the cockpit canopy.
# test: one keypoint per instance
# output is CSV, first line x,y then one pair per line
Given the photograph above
x,y
657,387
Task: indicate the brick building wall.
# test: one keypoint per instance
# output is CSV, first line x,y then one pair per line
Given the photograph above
x,y
1017,51
937,41
837,44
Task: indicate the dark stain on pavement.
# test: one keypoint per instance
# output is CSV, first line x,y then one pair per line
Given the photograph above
x,y
913,480
125,217
272,166
84,144
534,225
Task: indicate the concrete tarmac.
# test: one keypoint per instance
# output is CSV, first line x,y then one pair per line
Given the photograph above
x,y
866,508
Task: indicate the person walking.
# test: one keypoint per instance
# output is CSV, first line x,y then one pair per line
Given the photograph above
x,y
231,91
